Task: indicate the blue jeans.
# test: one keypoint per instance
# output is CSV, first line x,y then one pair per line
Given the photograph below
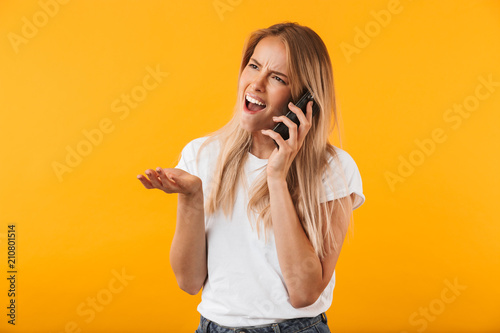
x,y
316,324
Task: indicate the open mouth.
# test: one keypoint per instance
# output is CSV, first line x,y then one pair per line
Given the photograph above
x,y
253,104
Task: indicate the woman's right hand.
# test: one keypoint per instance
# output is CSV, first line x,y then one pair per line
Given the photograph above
x,y
171,181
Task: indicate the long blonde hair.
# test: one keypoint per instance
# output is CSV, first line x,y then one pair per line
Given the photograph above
x,y
309,66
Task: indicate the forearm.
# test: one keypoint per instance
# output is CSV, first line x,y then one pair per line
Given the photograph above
x,y
188,256
300,266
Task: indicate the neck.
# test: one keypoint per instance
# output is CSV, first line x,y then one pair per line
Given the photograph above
x,y
262,145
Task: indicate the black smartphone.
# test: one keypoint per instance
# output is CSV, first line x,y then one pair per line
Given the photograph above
x,y
282,129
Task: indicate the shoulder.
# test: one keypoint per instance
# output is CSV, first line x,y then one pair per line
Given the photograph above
x,y
347,177
199,162
193,146
196,143
343,158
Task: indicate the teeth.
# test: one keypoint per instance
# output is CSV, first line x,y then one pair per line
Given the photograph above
x,y
250,99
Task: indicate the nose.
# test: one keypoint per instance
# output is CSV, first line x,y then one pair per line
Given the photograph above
x,y
259,83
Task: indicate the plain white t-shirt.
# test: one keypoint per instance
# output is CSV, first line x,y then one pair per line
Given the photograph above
x,y
245,286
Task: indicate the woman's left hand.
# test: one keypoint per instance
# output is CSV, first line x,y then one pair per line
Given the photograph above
x,y
281,159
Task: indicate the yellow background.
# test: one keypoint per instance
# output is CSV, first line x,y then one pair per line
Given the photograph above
x,y
436,226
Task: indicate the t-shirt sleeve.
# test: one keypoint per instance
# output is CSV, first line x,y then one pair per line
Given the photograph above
x,y
182,161
346,179
187,161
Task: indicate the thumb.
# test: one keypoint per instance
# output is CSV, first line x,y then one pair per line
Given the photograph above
x,y
172,177
178,180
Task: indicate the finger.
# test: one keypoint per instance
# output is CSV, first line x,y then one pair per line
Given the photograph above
x,y
145,182
303,132
176,177
300,114
305,125
153,178
176,180
277,137
166,179
292,127
309,114
161,174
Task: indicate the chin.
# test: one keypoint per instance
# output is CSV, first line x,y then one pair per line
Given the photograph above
x,y
246,127
249,126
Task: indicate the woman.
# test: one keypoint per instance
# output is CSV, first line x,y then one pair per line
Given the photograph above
x,y
261,220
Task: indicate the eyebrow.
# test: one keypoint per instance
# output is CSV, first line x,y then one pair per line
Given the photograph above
x,y
279,73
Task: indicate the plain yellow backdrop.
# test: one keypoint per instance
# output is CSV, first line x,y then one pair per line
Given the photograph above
x,y
93,93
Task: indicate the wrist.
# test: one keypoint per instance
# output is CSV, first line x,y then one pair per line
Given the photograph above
x,y
193,187
277,182
195,192
193,201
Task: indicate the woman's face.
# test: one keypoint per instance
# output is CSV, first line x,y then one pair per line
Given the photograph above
x,y
264,87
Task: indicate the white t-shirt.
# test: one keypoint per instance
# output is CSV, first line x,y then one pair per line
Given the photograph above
x,y
245,286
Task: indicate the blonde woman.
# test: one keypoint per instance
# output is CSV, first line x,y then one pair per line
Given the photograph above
x,y
261,220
